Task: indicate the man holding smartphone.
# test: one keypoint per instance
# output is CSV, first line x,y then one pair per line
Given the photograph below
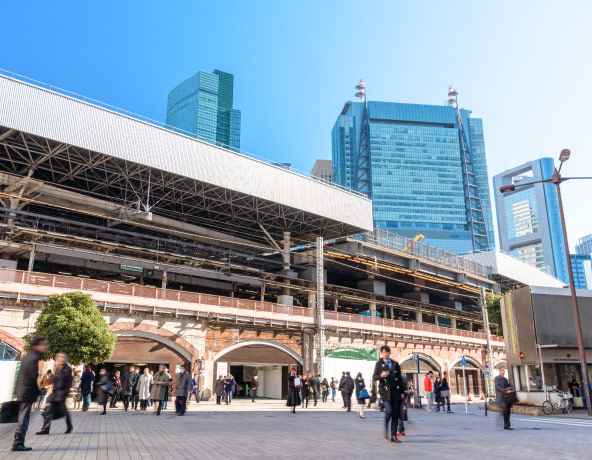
x,y
391,389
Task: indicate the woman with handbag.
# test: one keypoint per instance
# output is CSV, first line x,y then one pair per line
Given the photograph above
x,y
361,394
445,393
293,391
305,390
437,395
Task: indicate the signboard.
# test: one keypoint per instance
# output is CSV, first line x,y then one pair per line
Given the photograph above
x,y
178,369
415,357
463,361
486,372
131,268
221,369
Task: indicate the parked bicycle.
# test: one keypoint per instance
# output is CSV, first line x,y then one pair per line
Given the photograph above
x,y
558,400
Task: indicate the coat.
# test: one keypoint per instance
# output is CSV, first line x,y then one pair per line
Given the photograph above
x,y
184,385
88,377
103,386
27,389
392,386
160,383
219,387
314,384
62,383
501,387
428,384
144,383
293,393
359,385
130,379
348,385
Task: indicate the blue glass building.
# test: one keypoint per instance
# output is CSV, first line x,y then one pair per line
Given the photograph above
x,y
203,105
528,219
409,159
581,265
584,245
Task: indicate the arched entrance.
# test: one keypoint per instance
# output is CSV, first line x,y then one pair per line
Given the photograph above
x,y
267,359
474,376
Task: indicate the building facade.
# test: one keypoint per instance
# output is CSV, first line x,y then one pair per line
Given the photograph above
x,y
584,245
323,169
412,161
581,266
203,104
528,219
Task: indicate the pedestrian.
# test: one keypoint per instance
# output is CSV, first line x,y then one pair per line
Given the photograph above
x,y
428,386
136,390
86,385
305,389
150,402
219,389
168,388
27,390
325,390
62,383
130,378
103,388
76,388
410,393
228,389
436,391
390,387
115,389
445,393
361,394
184,389
293,391
503,397
341,389
254,387
582,392
348,386
144,385
403,412
315,387
160,384
46,387
194,392
333,388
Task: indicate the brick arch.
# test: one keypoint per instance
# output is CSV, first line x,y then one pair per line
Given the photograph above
x,y
13,341
156,333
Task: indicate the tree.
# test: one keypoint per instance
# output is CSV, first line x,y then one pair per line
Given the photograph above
x,y
73,324
494,311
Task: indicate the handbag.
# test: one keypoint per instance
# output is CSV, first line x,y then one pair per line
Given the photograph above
x,y
445,393
510,398
363,394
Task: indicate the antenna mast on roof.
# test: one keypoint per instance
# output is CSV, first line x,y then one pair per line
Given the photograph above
x,y
361,87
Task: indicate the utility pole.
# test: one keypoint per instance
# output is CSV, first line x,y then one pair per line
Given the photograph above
x,y
320,304
488,358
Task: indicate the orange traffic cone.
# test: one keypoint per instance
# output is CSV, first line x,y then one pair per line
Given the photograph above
x,y
482,397
469,398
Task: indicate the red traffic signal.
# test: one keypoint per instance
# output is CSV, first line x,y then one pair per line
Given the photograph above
x,y
521,355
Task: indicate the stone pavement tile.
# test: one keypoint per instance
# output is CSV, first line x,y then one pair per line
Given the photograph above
x,y
267,430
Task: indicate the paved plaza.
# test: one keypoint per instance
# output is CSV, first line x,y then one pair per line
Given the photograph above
x,y
266,430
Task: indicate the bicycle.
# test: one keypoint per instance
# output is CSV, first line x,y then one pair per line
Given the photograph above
x,y
558,400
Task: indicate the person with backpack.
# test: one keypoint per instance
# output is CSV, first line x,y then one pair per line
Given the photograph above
x,y
325,390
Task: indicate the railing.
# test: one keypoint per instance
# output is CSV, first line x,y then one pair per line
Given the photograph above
x,y
149,292
160,124
400,243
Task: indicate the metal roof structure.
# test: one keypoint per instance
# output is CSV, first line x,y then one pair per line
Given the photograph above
x,y
82,147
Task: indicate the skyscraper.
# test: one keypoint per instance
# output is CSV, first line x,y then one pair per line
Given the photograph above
x,y
584,245
323,170
581,265
424,168
528,219
203,104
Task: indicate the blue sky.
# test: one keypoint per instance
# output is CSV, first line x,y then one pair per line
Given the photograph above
x,y
524,67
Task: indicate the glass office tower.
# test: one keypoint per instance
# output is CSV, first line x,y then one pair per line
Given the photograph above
x,y
581,265
528,219
408,159
584,245
203,105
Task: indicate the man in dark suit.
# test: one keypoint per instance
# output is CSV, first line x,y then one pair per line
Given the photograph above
x,y
502,386
348,385
86,385
391,389
62,384
27,390
130,378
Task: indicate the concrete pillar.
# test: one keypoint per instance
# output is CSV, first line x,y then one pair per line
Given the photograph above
x,y
164,278
453,323
373,309
384,311
311,299
286,259
31,258
419,317
392,312
263,293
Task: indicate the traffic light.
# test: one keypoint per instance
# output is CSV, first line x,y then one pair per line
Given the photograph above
x,y
521,355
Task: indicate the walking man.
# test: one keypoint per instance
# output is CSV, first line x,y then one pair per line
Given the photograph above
x,y
62,383
27,390
313,383
136,390
348,385
391,389
160,384
86,384
184,389
333,388
341,389
254,386
115,389
428,386
130,379
502,387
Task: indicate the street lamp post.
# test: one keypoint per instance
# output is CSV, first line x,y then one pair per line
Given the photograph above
x,y
557,179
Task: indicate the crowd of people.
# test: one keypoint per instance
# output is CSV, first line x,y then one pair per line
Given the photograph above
x,y
389,389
